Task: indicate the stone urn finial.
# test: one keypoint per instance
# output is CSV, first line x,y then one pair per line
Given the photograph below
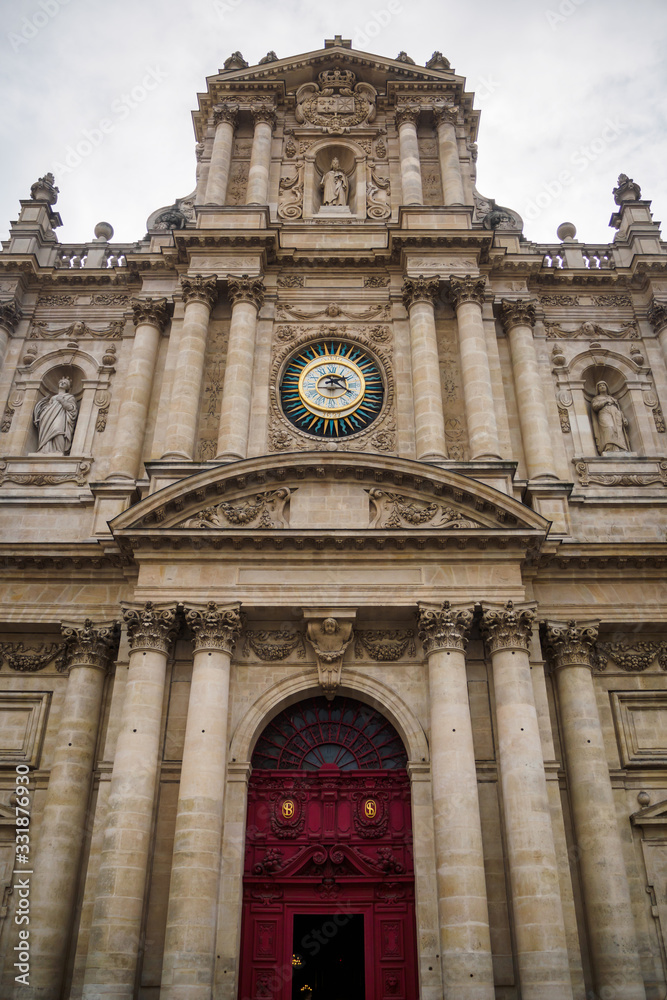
x,y
627,190
44,189
103,231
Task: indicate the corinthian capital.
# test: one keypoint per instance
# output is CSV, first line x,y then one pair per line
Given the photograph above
x,y
517,313
420,289
226,113
197,288
154,312
90,644
446,628
657,315
245,289
507,627
407,113
214,627
466,289
445,114
150,626
572,643
10,314
264,113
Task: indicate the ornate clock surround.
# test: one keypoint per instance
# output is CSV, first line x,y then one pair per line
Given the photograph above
x,y
285,436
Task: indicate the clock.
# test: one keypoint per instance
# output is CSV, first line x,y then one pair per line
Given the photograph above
x,y
332,389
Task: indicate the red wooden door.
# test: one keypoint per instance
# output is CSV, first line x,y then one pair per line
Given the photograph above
x,y
328,904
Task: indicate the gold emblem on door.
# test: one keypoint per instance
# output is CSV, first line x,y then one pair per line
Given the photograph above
x,y
370,808
288,808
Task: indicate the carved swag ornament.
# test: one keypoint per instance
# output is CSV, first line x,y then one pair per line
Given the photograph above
x,y
261,510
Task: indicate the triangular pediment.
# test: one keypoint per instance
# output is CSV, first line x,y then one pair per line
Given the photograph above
x,y
365,498
655,815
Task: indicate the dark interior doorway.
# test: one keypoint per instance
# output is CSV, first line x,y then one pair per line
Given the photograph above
x,y
328,957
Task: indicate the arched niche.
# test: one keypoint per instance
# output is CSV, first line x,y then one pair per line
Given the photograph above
x,y
317,161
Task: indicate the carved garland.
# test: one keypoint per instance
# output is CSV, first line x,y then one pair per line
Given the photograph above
x,y
284,436
30,660
274,644
384,645
633,657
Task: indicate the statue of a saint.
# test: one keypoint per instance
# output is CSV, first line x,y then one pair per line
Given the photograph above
x,y
609,422
335,185
55,417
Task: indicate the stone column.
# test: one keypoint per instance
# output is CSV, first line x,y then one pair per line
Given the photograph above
x,y
66,809
541,947
465,943
467,295
10,315
411,176
607,904
189,951
260,158
199,295
150,318
247,296
419,295
225,117
518,319
115,932
448,150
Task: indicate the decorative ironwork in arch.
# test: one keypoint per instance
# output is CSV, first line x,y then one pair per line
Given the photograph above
x,y
317,732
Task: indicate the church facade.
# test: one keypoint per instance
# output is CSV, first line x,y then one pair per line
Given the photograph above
x,y
334,616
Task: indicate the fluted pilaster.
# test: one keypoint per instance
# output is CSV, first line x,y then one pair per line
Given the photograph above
x,y
247,297
264,119
407,117
419,296
446,117
225,118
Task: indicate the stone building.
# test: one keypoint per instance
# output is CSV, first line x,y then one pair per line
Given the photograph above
x,y
333,510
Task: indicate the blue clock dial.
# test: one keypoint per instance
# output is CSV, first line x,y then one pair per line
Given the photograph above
x,y
332,389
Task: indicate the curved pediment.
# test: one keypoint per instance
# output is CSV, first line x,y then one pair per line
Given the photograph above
x,y
325,495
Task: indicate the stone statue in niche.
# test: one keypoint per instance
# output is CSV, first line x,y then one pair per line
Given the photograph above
x,y
609,422
55,418
335,185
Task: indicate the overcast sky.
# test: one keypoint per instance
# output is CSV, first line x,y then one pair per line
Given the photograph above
x,y
572,92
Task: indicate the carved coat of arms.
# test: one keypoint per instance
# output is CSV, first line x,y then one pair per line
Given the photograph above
x,y
336,103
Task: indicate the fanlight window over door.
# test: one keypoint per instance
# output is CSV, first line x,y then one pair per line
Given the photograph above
x,y
317,732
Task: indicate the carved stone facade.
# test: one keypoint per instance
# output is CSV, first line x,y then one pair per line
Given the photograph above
x,y
334,446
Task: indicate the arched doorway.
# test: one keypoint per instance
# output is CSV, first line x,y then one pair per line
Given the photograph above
x,y
328,901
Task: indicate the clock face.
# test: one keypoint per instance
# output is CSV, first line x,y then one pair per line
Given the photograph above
x,y
332,389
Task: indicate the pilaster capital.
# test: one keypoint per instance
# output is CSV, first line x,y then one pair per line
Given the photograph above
x,y
214,627
445,114
153,312
246,289
517,312
444,628
264,113
420,289
150,626
90,644
197,288
657,315
228,113
507,626
407,113
10,314
571,643
467,289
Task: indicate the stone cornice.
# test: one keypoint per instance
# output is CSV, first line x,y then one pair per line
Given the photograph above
x,y
154,312
420,289
466,289
90,644
214,628
507,627
445,628
150,626
246,289
571,643
198,288
519,312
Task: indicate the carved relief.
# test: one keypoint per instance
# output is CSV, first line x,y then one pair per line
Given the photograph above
x,y
333,311
29,660
628,331
586,477
376,281
384,645
238,183
209,417
456,433
633,657
290,198
274,644
76,331
329,638
336,103
378,204
431,183
394,510
77,476
291,281
260,510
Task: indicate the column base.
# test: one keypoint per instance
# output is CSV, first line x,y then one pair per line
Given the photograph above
x,y
176,456
230,457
